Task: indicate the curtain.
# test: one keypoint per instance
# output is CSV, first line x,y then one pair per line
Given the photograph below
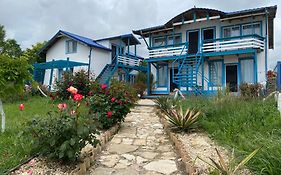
x,y
216,73
247,71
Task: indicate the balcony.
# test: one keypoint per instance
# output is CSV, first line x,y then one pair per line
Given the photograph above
x,y
233,44
128,60
168,51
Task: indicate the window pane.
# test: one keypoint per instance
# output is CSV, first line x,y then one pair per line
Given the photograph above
x,y
159,42
231,31
170,40
251,29
178,39
216,73
247,71
74,44
226,32
162,75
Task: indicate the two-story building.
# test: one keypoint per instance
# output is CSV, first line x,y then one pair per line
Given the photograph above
x,y
202,50
113,57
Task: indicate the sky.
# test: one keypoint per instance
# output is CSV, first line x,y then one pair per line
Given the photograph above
x,y
32,21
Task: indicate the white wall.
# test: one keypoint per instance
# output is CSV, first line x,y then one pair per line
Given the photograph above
x,y
99,59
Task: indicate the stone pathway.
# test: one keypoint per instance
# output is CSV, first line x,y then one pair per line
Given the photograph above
x,y
141,147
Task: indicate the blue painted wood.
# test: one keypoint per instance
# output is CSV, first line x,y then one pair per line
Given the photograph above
x,y
51,76
278,82
148,78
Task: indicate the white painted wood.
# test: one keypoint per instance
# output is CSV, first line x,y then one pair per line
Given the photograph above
x,y
170,51
128,61
279,101
3,121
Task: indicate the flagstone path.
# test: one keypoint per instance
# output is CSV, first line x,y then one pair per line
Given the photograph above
x,y
141,147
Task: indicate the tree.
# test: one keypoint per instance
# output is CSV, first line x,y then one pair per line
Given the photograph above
x,y
31,54
9,47
13,74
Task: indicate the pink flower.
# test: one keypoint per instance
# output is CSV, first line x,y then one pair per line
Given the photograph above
x,y
62,106
109,114
103,87
120,102
21,107
72,90
113,99
78,97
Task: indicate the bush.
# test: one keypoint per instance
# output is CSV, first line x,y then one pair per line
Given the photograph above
x,y
110,105
64,133
250,90
141,82
79,80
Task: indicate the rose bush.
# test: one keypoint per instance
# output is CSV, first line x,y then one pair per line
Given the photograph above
x,y
65,132
109,105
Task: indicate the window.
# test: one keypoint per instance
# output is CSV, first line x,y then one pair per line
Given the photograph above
x,y
249,29
162,75
176,40
60,74
215,72
160,41
247,71
231,31
71,46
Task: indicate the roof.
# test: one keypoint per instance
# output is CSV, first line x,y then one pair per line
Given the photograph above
x,y
58,64
203,12
124,38
89,42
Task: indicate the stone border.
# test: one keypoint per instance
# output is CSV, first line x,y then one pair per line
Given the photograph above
x,y
89,160
183,153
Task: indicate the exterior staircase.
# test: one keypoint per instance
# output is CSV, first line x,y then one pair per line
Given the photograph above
x,y
106,73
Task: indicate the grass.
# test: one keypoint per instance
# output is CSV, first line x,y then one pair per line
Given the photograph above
x,y
13,148
244,125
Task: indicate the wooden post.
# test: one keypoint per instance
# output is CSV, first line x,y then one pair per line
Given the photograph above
x,y
3,122
148,78
51,75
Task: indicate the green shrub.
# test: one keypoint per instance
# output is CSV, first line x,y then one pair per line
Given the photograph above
x,y
109,105
64,133
79,79
141,82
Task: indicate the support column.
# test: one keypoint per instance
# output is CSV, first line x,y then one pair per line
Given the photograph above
x,y
128,46
148,78
51,75
202,71
255,67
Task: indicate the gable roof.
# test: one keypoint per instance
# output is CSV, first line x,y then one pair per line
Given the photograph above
x,y
124,38
203,12
84,40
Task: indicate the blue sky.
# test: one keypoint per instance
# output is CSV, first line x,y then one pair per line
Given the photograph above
x,y
30,21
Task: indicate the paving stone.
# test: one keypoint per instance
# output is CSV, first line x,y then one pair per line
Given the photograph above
x,y
127,141
121,148
139,142
116,140
128,157
162,166
141,160
102,171
148,155
109,160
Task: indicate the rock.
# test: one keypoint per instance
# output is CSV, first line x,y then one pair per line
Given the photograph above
x,y
116,140
110,160
162,166
128,157
169,155
141,160
121,148
139,142
126,171
165,148
127,141
157,126
102,171
148,155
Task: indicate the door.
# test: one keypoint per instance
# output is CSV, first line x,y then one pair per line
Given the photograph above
x,y
113,52
172,84
231,77
193,39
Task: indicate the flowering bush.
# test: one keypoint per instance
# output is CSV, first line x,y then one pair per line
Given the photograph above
x,y
109,105
271,81
250,90
79,80
65,132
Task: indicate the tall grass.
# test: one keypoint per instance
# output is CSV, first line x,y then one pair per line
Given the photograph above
x,y
244,125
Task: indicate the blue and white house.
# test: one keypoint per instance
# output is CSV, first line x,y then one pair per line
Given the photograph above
x,y
202,50
113,57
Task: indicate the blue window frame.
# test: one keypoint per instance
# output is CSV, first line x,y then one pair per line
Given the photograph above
x,y
162,75
70,46
167,40
249,28
216,72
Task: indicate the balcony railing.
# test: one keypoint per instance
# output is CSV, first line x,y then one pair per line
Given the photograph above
x,y
168,50
233,43
128,60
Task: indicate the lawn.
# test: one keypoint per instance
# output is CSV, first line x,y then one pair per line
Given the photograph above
x,y
15,149
244,125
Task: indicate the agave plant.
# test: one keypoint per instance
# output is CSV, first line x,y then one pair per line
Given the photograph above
x,y
231,168
183,120
165,104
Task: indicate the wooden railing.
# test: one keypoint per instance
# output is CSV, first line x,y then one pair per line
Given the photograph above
x,y
233,43
168,51
128,60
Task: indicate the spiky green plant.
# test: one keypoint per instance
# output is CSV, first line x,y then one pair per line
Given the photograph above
x,y
165,104
231,168
183,120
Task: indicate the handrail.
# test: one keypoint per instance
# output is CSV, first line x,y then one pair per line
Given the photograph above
x,y
167,46
233,37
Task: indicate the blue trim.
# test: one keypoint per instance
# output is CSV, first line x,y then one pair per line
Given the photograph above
x,y
208,54
51,76
266,42
238,74
157,75
256,67
278,82
148,78
90,56
160,92
166,36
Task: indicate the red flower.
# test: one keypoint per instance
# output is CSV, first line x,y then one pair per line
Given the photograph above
x,y
72,90
62,106
78,97
109,114
120,102
103,87
21,107
113,99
